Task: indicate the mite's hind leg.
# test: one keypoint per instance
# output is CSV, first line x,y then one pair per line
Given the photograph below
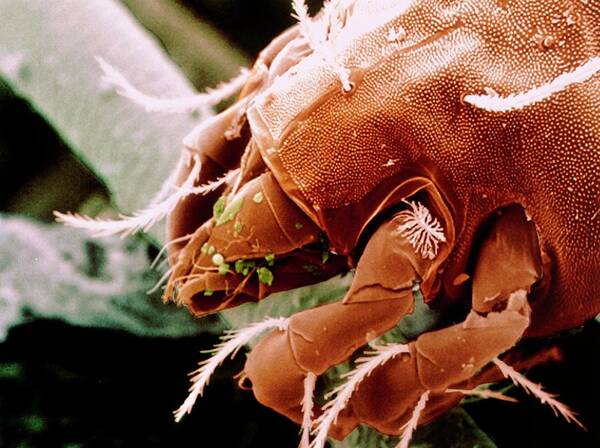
x,y
508,266
450,358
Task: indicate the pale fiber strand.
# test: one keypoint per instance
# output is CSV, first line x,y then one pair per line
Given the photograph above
x,y
231,343
161,281
300,13
316,33
411,425
342,394
335,16
307,409
537,391
115,79
483,393
169,184
166,246
143,220
497,103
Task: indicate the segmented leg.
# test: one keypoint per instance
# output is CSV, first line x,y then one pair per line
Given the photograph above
x,y
217,155
221,141
257,243
316,339
453,357
437,361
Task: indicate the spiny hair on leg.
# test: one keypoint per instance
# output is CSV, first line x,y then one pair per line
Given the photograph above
x,y
161,281
483,392
157,260
144,219
537,391
231,343
410,427
342,394
310,383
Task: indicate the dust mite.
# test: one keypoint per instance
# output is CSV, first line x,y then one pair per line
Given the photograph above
x,y
447,146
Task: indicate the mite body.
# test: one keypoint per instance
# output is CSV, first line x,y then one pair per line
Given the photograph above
x,y
460,157
446,147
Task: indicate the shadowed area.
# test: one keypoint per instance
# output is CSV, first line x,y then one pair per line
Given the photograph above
x,y
67,386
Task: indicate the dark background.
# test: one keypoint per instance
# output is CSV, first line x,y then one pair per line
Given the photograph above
x,y
62,386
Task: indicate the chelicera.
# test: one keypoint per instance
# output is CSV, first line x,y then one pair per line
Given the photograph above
x,y
448,149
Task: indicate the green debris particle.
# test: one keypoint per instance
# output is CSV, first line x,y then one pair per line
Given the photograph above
x,y
324,256
265,276
219,207
211,250
299,226
237,227
258,197
218,259
204,248
230,211
224,269
244,266
208,292
270,259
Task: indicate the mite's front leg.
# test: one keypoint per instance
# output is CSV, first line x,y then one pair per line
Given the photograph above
x,y
257,243
316,339
216,155
220,142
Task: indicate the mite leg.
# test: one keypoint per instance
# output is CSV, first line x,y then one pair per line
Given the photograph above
x,y
450,358
316,339
221,141
217,155
260,230
508,267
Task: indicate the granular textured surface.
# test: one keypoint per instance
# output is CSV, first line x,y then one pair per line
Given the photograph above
x,y
409,108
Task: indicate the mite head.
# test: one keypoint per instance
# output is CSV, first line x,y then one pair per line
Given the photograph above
x,y
245,238
257,242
